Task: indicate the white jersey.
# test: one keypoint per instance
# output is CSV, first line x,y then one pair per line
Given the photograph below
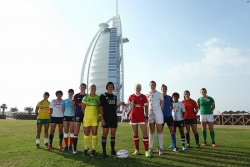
x,y
178,110
56,106
154,102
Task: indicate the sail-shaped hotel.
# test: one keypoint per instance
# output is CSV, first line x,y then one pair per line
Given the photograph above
x,y
103,61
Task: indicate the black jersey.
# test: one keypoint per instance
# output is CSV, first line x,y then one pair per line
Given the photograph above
x,y
78,104
109,103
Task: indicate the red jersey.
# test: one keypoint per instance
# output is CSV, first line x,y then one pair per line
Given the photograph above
x,y
190,106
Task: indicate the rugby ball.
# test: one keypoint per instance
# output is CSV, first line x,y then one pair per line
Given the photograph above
x,y
122,154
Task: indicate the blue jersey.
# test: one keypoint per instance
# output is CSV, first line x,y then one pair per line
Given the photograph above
x,y
167,112
67,104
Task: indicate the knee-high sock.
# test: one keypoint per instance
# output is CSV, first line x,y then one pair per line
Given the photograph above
x,y
160,139
145,142
151,140
61,137
204,136
66,139
196,136
94,142
104,142
212,135
51,139
173,138
112,143
188,138
183,140
71,139
86,142
75,141
136,142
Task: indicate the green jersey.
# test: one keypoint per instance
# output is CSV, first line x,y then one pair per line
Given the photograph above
x,y
205,105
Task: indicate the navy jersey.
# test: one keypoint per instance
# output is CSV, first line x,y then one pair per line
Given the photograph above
x,y
109,103
78,104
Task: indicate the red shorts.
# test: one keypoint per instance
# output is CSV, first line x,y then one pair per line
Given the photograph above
x,y
137,117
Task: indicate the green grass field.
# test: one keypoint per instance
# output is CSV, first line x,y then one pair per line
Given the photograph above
x,y
17,145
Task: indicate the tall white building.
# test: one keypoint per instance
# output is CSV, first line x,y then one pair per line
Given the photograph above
x,y
104,61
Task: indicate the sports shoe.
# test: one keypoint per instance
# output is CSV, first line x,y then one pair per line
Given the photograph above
x,y
49,147
176,149
160,151
70,148
213,144
188,145
60,146
136,152
113,152
93,152
104,155
151,150
37,145
204,143
66,149
197,146
74,151
85,152
184,148
171,147
46,145
147,154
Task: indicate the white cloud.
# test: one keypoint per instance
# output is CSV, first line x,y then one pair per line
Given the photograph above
x,y
215,61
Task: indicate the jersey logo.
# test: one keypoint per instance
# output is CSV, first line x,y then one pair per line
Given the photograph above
x,y
111,101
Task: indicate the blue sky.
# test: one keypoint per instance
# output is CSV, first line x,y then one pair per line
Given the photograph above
x,y
186,45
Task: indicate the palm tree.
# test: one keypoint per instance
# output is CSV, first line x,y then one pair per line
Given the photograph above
x,y
3,107
28,109
13,109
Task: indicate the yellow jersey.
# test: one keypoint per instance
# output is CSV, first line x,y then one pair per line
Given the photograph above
x,y
92,106
44,110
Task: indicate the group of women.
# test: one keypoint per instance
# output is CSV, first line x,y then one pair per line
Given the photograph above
x,y
154,108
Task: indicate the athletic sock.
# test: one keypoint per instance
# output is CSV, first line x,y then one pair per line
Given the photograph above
x,y
112,143
94,142
75,141
61,137
145,142
173,138
51,139
86,142
183,140
151,140
66,139
46,140
136,142
37,141
71,139
104,142
204,136
188,138
212,135
160,139
196,136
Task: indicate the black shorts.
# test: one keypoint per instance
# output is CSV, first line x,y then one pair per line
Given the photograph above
x,y
68,118
56,120
110,123
169,121
190,121
179,124
78,118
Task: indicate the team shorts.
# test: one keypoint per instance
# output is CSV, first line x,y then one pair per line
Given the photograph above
x,y
110,123
68,118
156,117
42,121
190,121
179,124
78,119
169,121
90,122
56,120
138,118
207,118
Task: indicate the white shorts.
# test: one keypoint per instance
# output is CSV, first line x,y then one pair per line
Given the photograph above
x,y
207,118
156,117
